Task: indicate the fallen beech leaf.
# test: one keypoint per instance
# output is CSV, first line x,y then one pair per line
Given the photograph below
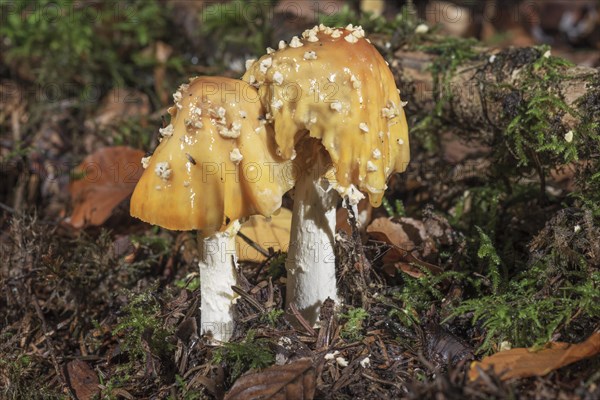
x,y
82,379
410,244
295,381
522,362
266,233
386,230
101,182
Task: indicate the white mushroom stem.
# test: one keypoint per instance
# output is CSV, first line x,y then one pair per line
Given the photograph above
x,y
218,263
311,259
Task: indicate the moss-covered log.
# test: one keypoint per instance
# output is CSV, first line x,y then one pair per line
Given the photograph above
x,y
534,112
484,90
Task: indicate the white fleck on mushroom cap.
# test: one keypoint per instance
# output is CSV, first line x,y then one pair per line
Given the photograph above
x,y
336,87
218,161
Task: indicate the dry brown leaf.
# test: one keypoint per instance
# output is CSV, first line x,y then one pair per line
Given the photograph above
x,y
82,379
408,234
410,241
266,233
522,362
295,381
409,270
386,230
102,181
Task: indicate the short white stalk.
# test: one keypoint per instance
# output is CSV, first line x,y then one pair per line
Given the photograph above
x,y
311,259
218,263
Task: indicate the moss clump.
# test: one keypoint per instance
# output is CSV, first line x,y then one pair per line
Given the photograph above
x,y
414,296
272,317
352,329
587,137
235,26
251,353
451,54
396,211
142,330
531,135
559,288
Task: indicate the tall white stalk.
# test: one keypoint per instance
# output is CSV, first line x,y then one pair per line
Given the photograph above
x,y
311,259
218,263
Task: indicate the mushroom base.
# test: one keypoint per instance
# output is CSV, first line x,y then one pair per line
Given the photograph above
x,y
218,263
311,259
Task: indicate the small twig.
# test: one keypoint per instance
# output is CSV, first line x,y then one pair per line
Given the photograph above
x,y
47,335
426,363
262,266
253,302
382,381
408,257
301,320
253,244
7,208
383,351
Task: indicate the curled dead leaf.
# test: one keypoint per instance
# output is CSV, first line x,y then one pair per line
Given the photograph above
x,y
523,362
410,243
102,181
295,381
386,230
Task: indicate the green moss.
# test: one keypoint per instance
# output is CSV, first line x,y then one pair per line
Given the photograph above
x,y
277,266
396,211
141,328
488,253
272,317
191,282
450,53
414,296
559,286
183,393
237,25
249,354
532,136
587,137
353,325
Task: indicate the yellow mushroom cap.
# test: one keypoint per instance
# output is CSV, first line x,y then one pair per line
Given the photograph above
x,y
333,84
216,160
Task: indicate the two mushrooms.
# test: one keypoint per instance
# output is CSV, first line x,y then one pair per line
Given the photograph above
x,y
321,114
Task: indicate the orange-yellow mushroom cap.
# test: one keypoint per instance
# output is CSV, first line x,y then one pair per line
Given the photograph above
x,y
216,160
333,85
